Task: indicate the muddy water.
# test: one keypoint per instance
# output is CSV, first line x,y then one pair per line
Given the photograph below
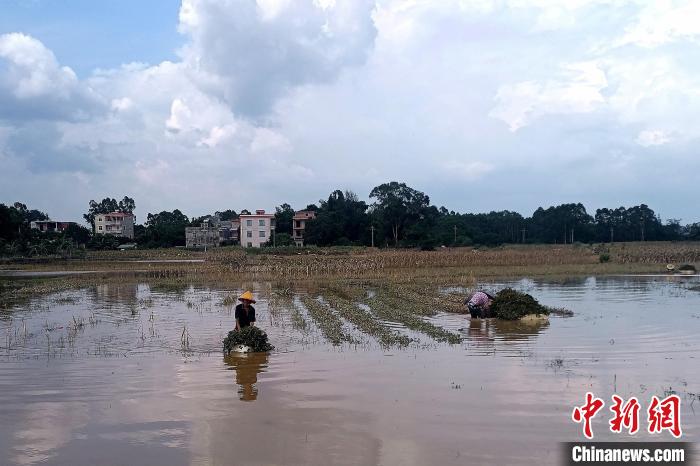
x,y
134,375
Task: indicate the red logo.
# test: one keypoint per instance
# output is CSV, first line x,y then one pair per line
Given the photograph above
x,y
665,415
661,415
587,412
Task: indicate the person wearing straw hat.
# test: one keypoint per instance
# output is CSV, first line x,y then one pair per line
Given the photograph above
x,y
245,313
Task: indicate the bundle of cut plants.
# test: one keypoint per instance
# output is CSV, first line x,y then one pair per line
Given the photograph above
x,y
687,269
247,339
509,304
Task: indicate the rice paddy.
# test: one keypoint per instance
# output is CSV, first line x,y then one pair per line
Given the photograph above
x,y
358,360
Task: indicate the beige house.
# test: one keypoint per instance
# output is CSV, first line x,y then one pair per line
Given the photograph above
x,y
256,229
299,225
115,224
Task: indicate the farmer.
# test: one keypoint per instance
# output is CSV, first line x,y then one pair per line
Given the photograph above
x,y
479,304
245,313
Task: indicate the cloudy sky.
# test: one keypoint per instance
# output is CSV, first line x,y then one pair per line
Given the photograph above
x,y
482,104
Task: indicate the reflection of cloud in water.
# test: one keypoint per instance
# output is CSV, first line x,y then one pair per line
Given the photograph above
x,y
44,428
247,367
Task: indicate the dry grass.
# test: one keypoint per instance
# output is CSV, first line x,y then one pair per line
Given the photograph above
x,y
413,270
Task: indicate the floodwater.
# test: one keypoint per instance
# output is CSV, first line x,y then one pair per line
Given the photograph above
x,y
134,375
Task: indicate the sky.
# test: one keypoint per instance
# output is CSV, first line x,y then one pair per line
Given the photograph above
x,y
484,105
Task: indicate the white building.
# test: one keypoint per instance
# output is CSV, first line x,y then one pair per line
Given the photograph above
x,y
256,228
115,224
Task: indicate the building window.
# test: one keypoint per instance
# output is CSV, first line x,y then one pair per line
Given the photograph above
x,y
250,245
261,222
249,234
261,234
249,223
100,228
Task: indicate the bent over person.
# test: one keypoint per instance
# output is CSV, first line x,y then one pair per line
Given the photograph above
x,y
245,313
479,304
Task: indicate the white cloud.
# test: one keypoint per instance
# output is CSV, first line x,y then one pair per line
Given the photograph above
x,y
349,94
33,69
122,104
577,91
664,21
651,137
33,83
262,50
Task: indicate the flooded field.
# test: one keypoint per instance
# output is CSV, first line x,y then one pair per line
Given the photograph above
x,y
133,374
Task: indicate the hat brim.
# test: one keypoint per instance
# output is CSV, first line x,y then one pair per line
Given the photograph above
x,y
246,299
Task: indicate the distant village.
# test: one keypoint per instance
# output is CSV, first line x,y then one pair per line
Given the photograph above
x,y
251,230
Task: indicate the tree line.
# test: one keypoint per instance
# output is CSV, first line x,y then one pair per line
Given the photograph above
x,y
396,216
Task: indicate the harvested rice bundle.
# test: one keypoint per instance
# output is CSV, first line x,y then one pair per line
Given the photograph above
x,y
509,304
251,337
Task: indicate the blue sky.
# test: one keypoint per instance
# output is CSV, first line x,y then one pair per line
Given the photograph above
x,y
88,34
206,105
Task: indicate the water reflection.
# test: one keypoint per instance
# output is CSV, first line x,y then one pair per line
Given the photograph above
x,y
247,367
123,293
489,330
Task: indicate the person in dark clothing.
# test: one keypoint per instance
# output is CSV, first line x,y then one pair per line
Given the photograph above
x,y
245,313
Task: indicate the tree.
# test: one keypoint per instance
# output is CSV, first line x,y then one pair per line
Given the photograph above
x,y
227,214
164,229
283,218
77,233
126,205
342,219
564,223
397,206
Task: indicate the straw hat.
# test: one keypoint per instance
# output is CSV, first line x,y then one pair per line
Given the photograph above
x,y
247,296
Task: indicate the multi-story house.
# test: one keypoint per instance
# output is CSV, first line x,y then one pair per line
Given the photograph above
x,y
299,225
256,228
115,224
50,225
212,233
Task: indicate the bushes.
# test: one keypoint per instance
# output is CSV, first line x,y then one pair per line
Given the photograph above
x,y
509,304
250,336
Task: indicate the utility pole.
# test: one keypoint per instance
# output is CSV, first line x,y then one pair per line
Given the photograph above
x,y
611,234
372,228
523,232
274,238
455,243
572,235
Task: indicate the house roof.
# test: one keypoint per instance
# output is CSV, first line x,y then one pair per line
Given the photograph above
x,y
256,215
118,214
304,214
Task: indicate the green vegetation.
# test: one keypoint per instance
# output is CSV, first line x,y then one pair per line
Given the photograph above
x,y
509,304
366,322
250,336
328,322
399,216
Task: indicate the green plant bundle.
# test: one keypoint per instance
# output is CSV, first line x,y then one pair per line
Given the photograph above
x,y
687,267
250,336
512,305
